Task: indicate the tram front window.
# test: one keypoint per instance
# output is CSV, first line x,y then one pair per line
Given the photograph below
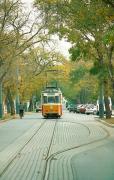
x,y
51,99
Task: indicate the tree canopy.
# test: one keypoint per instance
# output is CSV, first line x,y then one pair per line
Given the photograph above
x,y
88,25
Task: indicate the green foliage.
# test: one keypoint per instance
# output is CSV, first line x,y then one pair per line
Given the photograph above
x,y
78,74
101,71
108,37
79,87
75,53
78,52
85,24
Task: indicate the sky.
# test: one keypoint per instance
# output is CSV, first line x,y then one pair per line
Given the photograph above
x,y
62,45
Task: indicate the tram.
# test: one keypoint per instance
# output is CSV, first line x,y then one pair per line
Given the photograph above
x,y
51,100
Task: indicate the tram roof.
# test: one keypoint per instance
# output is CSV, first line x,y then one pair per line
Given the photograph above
x,y
51,90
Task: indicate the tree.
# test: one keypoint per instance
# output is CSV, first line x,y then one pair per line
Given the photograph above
x,y
87,25
18,32
83,84
110,2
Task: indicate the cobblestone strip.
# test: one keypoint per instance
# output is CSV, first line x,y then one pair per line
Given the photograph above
x,y
29,164
59,164
12,150
60,168
68,135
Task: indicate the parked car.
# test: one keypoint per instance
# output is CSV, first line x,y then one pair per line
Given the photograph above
x,y
75,109
83,108
71,108
78,108
91,109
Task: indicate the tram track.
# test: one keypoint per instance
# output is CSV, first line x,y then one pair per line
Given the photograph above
x,y
5,169
79,124
46,158
49,157
53,156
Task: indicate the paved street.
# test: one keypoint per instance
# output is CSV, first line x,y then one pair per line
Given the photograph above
x,y
75,147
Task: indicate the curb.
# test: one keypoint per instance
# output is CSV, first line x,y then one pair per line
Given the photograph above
x,y
107,124
8,119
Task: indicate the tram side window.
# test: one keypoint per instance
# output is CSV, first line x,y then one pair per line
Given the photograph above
x,y
57,99
44,99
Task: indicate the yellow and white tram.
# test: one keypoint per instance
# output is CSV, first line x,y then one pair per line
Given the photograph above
x,y
51,99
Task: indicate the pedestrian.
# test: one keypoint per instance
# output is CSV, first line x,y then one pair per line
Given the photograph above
x,y
21,110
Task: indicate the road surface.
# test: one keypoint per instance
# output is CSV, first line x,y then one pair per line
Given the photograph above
x,y
75,147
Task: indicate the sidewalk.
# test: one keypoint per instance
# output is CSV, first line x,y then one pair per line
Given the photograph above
x,y
106,123
8,117
109,124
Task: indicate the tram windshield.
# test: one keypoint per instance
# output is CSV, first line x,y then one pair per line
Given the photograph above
x,y
51,99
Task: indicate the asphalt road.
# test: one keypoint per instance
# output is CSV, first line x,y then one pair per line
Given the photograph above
x,y
75,147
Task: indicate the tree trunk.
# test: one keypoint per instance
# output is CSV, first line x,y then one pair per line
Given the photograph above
x,y
107,107
107,102
101,100
113,89
8,105
11,102
31,105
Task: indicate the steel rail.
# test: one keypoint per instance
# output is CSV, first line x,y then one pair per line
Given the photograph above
x,y
52,156
46,158
79,124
